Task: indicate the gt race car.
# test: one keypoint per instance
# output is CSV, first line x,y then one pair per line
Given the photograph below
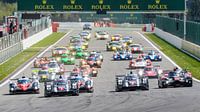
x,y
102,35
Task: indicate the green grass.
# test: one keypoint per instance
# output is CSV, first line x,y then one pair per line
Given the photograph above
x,y
179,57
12,64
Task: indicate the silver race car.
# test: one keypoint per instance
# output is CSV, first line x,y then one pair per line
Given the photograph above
x,y
131,81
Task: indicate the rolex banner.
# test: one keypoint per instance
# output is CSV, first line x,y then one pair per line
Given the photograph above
x,y
94,5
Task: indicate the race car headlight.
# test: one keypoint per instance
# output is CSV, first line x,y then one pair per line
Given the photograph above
x,y
85,54
120,82
72,59
73,53
113,38
11,89
94,72
101,57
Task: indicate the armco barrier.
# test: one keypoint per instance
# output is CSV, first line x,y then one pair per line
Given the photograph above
x,y
36,38
191,48
174,40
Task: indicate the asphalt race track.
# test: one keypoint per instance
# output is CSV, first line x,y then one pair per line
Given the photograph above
x,y
104,98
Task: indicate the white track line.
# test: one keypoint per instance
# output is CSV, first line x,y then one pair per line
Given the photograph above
x,y
162,53
28,64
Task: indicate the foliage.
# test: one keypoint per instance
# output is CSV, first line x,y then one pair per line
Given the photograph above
x,y
7,9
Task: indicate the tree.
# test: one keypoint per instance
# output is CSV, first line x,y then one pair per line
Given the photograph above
x,y
194,10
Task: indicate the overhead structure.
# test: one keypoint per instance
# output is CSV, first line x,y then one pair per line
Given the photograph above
x,y
131,6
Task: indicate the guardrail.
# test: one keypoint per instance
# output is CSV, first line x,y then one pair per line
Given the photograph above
x,y
191,48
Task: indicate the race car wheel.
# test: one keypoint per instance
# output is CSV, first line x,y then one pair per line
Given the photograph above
x,y
75,93
37,92
47,95
118,89
189,84
91,90
12,93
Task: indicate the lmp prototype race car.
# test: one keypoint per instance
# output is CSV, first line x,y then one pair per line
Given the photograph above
x,y
97,55
122,55
116,37
131,81
175,78
152,71
92,61
53,66
85,83
153,56
24,85
66,59
135,48
138,63
113,46
60,86
101,35
58,51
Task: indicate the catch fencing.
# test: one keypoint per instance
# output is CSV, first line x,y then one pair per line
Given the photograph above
x,y
176,27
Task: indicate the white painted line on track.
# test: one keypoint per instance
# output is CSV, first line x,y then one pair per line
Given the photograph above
x,y
162,53
28,64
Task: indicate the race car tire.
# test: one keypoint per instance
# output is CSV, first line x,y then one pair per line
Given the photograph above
x,y
47,95
90,90
75,93
189,84
37,92
118,89
12,93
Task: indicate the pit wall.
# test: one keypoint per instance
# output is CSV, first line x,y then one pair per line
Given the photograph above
x,y
36,38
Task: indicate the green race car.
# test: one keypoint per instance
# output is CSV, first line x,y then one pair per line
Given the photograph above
x,y
66,59
80,53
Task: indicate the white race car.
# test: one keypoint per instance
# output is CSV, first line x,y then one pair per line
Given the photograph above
x,y
138,63
102,35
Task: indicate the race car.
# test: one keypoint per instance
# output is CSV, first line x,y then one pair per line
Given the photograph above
x,y
137,63
43,75
39,62
135,48
75,37
85,35
58,51
96,54
24,85
122,55
92,61
175,78
127,40
152,71
85,83
86,70
153,56
80,41
77,46
80,53
60,86
87,27
113,46
131,81
55,67
66,59
101,35
116,37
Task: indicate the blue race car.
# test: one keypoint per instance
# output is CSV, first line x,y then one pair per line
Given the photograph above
x,y
153,56
122,55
